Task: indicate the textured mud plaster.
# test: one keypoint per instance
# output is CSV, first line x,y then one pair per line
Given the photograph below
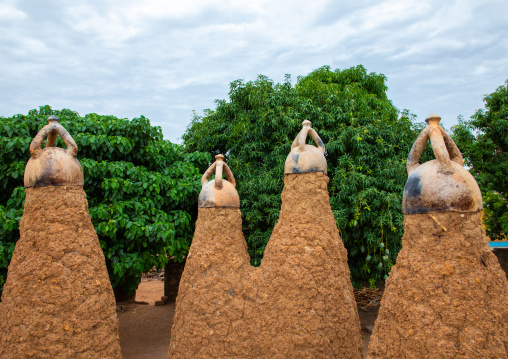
x,y
446,297
298,304
57,300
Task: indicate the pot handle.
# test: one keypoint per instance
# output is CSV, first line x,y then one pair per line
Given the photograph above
x,y
218,167
50,131
302,137
443,146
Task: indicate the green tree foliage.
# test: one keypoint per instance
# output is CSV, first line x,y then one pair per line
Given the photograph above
x,y
141,189
484,142
367,144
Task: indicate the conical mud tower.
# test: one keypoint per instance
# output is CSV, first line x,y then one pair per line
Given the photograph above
x,y
57,301
305,266
447,296
299,303
211,317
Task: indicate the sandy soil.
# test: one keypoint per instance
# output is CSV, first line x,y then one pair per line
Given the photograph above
x,y
367,319
145,329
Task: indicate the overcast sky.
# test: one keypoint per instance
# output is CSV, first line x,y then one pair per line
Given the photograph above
x,y
163,59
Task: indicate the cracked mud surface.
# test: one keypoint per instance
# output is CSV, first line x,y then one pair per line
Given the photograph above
x,y
298,303
446,297
57,300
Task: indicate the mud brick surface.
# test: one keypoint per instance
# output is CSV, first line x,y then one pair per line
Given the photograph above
x,y
57,301
446,297
298,304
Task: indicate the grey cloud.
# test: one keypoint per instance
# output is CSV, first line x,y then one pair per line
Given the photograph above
x,y
441,57
335,11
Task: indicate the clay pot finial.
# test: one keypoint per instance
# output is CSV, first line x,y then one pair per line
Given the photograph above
x,y
218,192
442,184
306,158
433,120
53,166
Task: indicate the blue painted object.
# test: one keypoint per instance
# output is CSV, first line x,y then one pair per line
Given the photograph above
x,y
503,244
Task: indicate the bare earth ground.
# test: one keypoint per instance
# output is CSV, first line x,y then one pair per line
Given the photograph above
x,y
145,329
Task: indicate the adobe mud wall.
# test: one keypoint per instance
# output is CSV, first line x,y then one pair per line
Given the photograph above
x,y
57,300
299,303
172,274
446,297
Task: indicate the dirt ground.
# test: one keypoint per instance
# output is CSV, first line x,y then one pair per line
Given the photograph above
x,y
145,329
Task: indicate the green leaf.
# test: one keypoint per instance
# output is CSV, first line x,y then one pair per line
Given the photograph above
x,y
126,188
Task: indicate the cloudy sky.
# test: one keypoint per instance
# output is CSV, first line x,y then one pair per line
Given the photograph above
x,y
165,59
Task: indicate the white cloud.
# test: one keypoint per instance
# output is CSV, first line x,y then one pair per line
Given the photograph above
x,y
164,59
110,27
10,13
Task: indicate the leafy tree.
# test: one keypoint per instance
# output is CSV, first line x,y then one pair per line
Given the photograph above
x,y
484,142
141,189
367,144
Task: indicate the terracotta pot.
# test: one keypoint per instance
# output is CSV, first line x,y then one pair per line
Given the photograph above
x,y
306,158
53,166
442,184
218,192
